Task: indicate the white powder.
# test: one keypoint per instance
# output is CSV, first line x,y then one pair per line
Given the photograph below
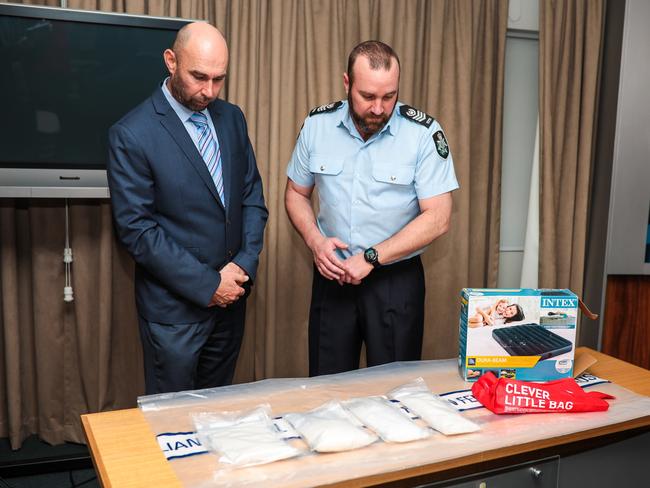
x,y
435,411
243,439
386,419
329,428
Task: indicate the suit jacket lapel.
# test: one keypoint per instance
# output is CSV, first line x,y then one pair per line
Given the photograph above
x,y
226,167
177,130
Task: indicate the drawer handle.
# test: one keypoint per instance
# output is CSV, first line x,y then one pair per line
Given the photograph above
x,y
536,473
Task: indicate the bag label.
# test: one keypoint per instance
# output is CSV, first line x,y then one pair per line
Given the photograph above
x,y
180,444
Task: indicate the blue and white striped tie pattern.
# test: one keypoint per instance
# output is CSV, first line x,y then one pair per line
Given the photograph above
x,y
210,151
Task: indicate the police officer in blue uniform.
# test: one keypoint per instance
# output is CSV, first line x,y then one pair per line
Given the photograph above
x,y
384,175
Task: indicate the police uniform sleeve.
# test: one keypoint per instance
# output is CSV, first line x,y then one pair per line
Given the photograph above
x,y
298,168
434,171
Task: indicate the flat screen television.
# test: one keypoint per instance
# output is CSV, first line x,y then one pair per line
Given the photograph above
x,y
68,75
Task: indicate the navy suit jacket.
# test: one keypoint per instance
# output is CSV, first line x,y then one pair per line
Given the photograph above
x,y
169,215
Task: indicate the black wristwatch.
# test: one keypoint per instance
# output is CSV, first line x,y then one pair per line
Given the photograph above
x,y
372,256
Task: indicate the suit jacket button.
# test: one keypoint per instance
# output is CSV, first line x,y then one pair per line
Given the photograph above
x,y
229,253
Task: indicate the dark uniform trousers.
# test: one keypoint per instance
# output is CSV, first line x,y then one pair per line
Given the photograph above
x,y
195,355
386,311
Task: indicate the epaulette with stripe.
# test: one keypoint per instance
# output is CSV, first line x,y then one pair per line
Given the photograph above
x,y
328,107
417,116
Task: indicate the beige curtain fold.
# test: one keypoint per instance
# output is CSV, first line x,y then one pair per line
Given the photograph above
x,y
286,56
570,34
63,359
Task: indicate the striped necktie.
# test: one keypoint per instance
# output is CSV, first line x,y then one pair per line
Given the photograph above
x,y
210,151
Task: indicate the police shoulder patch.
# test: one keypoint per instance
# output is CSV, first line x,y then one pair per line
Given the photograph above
x,y
328,107
441,144
417,116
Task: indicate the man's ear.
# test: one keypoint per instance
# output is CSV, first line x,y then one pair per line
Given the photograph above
x,y
170,61
346,83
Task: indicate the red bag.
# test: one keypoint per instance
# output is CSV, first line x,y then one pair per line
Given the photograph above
x,y
504,395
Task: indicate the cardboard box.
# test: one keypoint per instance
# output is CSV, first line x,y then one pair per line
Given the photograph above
x,y
525,334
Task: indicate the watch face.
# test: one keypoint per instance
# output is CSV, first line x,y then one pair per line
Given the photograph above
x,y
370,255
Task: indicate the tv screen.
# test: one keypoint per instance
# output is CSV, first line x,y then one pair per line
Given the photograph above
x,y
67,77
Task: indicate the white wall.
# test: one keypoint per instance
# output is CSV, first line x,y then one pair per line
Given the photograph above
x,y
630,190
524,15
519,130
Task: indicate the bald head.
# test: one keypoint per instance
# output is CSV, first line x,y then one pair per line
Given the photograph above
x,y
197,65
198,35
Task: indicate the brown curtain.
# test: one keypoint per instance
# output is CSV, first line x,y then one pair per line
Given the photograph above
x,y
289,56
286,57
570,34
63,359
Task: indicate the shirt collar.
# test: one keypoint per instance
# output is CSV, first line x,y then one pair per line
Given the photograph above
x,y
391,125
346,120
181,110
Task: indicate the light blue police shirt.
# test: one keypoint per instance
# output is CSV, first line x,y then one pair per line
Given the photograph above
x,y
369,190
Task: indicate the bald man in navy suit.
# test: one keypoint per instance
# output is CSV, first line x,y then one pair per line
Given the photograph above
x,y
188,205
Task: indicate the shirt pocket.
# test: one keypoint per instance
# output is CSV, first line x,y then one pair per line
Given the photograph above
x,y
393,175
392,187
325,165
327,175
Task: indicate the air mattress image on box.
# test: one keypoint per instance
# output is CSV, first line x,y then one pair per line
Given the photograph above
x,y
531,340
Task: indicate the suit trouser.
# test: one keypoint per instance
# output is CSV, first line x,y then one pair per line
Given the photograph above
x,y
386,311
193,355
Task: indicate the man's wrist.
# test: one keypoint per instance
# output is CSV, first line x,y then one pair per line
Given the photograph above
x,y
371,256
312,239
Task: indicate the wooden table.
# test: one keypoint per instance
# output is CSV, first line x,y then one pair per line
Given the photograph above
x,y
125,452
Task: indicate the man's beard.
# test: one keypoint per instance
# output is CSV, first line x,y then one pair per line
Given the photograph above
x,y
370,124
177,90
